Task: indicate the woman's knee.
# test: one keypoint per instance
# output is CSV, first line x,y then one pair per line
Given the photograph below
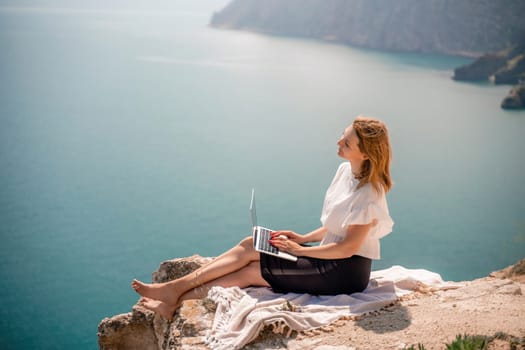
x,y
248,250
247,242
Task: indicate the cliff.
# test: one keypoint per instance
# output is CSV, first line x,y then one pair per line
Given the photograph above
x,y
465,27
503,67
141,329
493,306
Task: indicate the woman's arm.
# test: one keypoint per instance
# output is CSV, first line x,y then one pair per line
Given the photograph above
x,y
316,235
355,236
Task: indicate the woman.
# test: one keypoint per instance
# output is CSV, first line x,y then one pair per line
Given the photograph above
x,y
355,216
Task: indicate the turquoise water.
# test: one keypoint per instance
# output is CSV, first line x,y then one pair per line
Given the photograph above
x,y
131,135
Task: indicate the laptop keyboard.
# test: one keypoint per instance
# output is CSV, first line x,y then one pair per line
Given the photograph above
x,y
265,235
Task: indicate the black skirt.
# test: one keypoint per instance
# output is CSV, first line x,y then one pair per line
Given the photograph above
x,y
316,276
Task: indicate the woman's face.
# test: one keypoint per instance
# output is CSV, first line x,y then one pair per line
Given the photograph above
x,y
349,146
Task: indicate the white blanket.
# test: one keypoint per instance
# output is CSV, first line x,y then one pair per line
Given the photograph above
x,y
242,313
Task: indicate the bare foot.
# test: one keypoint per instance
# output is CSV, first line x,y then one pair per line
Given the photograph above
x,y
159,307
165,292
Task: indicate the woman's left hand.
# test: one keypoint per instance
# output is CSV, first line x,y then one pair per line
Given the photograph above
x,y
282,242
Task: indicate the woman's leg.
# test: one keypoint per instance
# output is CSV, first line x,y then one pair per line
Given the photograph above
x,y
170,292
247,276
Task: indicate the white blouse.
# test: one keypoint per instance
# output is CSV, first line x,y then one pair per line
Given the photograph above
x,y
344,206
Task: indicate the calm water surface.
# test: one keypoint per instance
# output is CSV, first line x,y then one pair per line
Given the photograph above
x,y
131,135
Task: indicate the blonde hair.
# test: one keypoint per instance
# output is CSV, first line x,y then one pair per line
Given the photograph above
x,y
375,144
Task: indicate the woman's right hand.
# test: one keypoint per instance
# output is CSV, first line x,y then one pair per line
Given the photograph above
x,y
290,235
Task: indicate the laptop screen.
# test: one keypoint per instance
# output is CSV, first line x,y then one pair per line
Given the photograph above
x,y
253,214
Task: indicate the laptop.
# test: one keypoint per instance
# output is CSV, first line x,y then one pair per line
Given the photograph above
x,y
261,235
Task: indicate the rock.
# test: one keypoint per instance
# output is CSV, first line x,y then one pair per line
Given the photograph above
x,y
515,99
188,328
513,72
142,329
514,272
131,331
512,289
173,269
517,269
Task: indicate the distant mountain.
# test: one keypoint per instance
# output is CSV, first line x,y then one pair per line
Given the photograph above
x,y
459,27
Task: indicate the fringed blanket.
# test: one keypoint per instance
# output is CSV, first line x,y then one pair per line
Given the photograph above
x,y
242,313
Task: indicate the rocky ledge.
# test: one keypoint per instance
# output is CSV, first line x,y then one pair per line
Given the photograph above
x,y
141,329
493,306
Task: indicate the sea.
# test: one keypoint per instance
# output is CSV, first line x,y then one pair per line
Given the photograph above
x,y
131,132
